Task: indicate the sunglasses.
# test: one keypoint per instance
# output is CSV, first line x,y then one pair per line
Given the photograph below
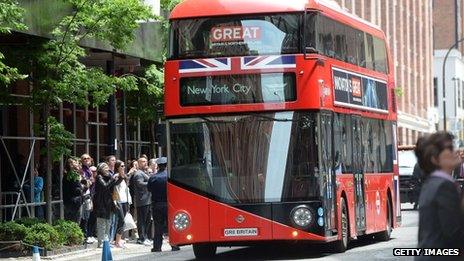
x,y
122,166
86,158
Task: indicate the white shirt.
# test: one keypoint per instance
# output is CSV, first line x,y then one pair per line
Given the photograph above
x,y
123,193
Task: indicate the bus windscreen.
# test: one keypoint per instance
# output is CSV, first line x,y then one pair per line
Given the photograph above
x,y
235,36
255,158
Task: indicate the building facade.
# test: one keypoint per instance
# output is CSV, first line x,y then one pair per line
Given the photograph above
x,y
408,28
98,131
448,33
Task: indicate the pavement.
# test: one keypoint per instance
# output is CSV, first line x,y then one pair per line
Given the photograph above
x,y
365,249
132,251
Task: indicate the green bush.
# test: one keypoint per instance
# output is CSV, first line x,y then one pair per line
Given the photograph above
x,y
43,235
12,231
29,222
70,232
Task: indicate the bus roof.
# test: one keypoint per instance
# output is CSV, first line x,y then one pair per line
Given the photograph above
x,y
209,8
206,8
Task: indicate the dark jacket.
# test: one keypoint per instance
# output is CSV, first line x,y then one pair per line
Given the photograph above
x,y
72,193
157,186
440,218
102,201
142,195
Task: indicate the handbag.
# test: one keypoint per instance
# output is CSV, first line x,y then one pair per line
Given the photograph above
x,y
129,222
88,204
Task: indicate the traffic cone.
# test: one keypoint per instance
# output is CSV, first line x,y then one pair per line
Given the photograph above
x,y
106,254
35,253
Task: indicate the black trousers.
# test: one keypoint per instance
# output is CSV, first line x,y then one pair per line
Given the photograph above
x,y
92,225
72,213
160,218
121,212
143,221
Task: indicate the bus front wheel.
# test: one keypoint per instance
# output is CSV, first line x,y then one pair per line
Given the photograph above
x,y
204,250
342,244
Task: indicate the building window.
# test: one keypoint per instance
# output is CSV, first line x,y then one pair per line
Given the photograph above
x,y
435,91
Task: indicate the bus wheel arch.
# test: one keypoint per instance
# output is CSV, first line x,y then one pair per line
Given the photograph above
x,y
204,251
390,208
386,234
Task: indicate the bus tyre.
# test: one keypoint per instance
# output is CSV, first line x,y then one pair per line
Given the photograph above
x,y
385,235
204,250
341,245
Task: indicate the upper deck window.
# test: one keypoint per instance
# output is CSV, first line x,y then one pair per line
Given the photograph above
x,y
345,43
235,36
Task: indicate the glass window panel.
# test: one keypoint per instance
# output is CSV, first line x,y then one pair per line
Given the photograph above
x,y
380,55
387,166
340,41
369,51
375,146
361,48
347,152
279,149
235,36
351,46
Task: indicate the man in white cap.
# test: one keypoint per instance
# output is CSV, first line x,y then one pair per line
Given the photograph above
x,y
157,186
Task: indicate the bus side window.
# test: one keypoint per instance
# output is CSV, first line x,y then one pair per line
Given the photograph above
x,y
368,164
339,41
375,143
338,146
347,145
310,30
369,50
360,45
387,165
351,46
326,41
380,55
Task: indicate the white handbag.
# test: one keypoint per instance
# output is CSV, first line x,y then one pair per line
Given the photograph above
x,y
129,222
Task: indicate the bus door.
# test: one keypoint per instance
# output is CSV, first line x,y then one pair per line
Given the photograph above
x,y
327,173
358,173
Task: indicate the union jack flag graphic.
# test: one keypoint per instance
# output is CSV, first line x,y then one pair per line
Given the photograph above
x,y
205,65
237,64
268,62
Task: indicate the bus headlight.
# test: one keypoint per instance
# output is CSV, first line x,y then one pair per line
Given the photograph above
x,y
302,216
181,221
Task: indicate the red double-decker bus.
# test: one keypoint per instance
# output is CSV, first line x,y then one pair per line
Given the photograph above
x,y
281,122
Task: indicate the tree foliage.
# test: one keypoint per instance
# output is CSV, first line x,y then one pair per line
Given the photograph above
x,y
151,88
149,93
61,75
10,18
169,4
60,139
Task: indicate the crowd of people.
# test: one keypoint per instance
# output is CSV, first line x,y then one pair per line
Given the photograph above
x,y
103,198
